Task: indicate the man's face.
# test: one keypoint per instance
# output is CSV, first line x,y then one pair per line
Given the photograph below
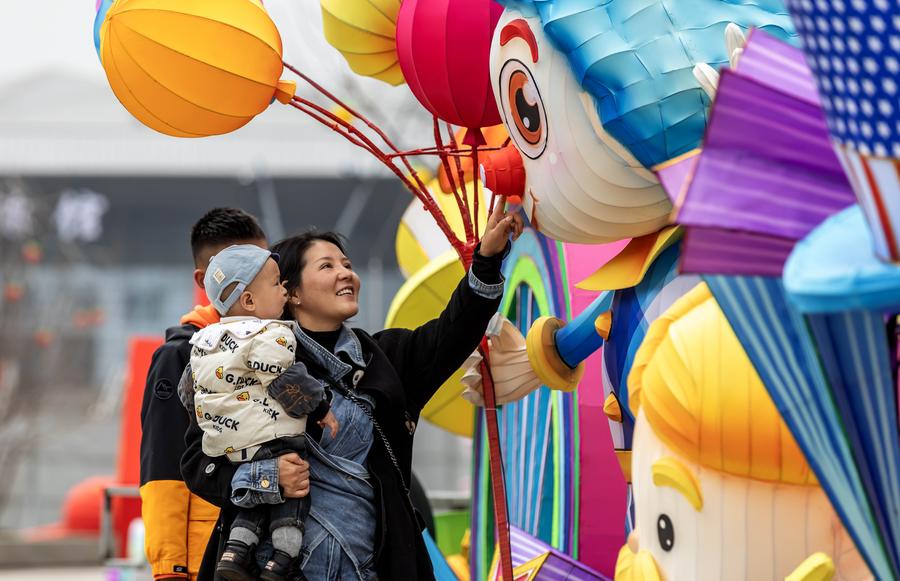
x,y
209,251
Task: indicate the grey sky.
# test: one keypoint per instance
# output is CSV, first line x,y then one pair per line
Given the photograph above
x,y
57,111
46,35
39,35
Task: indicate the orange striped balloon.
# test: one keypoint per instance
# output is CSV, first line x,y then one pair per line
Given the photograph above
x,y
193,69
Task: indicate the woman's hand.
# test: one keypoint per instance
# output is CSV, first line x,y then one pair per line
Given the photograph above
x,y
293,475
499,226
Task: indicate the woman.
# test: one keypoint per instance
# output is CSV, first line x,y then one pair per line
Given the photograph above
x,y
361,524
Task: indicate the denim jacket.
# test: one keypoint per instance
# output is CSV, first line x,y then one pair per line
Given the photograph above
x,y
339,478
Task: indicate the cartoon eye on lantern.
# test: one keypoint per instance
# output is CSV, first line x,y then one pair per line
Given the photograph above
x,y
523,108
666,532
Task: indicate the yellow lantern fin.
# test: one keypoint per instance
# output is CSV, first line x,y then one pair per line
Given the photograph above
x,y
640,566
816,567
612,409
673,473
624,458
629,266
603,324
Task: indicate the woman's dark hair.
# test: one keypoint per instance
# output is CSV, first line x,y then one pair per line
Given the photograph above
x,y
292,256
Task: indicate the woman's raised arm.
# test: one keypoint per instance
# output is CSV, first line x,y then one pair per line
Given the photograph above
x,y
425,357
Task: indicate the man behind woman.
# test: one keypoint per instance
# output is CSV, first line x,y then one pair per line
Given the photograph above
x,y
252,400
178,524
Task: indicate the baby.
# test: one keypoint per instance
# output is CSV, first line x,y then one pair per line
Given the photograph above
x,y
252,400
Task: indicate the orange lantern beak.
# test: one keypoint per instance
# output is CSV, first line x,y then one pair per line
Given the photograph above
x,y
504,173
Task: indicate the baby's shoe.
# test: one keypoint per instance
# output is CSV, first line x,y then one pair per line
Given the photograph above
x,y
278,567
235,562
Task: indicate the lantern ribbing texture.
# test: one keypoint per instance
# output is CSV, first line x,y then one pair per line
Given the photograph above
x,y
193,69
444,49
364,32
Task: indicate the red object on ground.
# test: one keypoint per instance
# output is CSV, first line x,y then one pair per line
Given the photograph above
x,y
444,48
80,509
83,504
80,512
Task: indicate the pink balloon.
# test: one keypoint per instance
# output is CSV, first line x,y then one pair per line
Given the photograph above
x,y
444,48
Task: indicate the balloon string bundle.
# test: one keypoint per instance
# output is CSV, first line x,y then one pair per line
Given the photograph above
x,y
415,185
463,200
410,178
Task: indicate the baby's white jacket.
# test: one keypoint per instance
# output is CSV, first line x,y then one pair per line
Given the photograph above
x,y
232,363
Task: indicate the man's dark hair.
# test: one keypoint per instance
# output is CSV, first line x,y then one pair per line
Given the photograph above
x,y
223,226
292,256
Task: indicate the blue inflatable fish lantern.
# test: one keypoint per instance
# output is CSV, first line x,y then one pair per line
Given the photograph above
x,y
596,93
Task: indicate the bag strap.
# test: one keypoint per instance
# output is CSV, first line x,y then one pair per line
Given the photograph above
x,y
384,440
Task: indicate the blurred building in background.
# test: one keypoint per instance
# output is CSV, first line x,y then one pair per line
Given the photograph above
x,y
95,213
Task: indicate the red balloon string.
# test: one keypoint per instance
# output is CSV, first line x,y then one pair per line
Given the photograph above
x,y
360,139
437,151
498,483
459,172
467,223
475,185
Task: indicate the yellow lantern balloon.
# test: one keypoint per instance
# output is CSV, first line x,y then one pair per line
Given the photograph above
x,y
363,31
193,69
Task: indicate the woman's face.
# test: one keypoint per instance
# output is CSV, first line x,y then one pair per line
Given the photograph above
x,y
329,289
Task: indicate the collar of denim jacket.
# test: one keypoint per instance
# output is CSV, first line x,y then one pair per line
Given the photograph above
x,y
347,343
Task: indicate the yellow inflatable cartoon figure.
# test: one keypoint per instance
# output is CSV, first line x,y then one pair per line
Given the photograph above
x,y
721,489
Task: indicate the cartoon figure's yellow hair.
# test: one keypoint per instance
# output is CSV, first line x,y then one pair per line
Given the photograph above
x,y
703,398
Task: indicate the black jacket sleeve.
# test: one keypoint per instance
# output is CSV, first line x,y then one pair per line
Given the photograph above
x,y
165,500
299,393
427,356
163,418
208,478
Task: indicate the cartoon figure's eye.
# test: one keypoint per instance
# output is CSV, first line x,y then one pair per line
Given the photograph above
x,y
666,532
523,108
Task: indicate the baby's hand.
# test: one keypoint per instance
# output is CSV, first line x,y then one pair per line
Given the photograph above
x,y
330,421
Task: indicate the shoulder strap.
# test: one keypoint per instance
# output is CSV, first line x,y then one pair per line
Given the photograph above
x,y
340,388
